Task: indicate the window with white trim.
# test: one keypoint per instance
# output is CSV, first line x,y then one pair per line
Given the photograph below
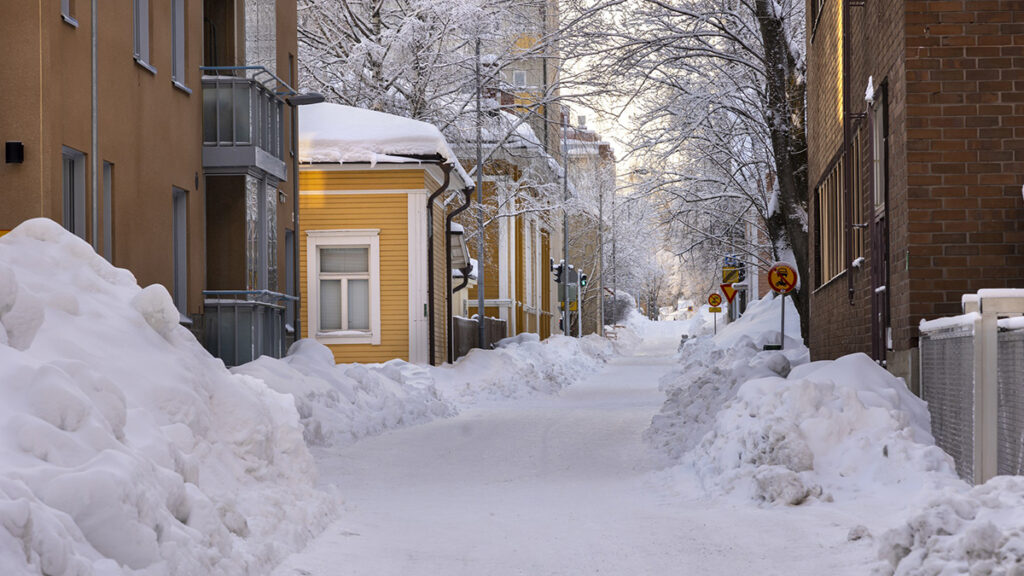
x,y
67,12
140,29
178,42
344,285
519,78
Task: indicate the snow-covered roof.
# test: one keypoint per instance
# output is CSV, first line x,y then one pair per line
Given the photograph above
x,y
333,133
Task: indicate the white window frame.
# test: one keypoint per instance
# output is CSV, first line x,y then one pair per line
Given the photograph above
x,y
140,33
317,239
66,12
878,154
179,248
74,191
519,78
178,37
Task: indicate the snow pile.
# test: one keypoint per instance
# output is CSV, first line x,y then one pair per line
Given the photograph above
x,y
836,427
340,403
780,429
713,369
126,448
974,532
709,378
519,367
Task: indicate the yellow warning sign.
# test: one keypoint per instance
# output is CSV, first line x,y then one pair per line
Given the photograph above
x,y
730,275
782,278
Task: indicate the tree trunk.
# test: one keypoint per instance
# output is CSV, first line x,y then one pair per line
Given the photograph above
x,y
785,92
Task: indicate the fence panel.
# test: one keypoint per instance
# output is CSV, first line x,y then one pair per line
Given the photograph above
x,y
947,384
1010,376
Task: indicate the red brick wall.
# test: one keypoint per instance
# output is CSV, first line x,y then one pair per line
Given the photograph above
x,y
841,325
965,153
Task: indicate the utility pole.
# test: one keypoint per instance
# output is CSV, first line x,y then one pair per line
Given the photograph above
x,y
481,259
600,257
565,216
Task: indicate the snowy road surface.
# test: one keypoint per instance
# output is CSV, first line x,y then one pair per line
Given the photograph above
x,y
556,485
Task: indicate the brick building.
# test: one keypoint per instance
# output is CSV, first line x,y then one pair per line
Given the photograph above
x,y
925,101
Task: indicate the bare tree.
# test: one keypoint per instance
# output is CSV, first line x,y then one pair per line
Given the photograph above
x,y
713,94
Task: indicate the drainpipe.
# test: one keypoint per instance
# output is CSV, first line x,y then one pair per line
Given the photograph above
x,y
468,193
95,138
447,169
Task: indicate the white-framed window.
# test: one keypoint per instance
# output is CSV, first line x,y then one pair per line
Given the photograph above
x,y
343,276
878,153
140,30
73,176
67,12
178,44
179,248
519,78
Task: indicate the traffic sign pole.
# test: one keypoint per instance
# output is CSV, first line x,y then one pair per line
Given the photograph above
x,y
783,279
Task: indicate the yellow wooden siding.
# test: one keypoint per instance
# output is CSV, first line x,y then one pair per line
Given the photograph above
x,y
545,291
519,296
389,214
440,290
319,180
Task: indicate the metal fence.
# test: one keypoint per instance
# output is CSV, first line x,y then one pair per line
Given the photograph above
x,y
972,376
1010,376
947,385
467,334
239,326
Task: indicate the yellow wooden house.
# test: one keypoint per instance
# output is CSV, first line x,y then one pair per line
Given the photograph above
x,y
375,193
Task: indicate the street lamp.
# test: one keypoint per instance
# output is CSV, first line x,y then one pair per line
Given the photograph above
x,y
295,101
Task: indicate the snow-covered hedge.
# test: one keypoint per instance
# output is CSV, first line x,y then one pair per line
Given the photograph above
x,y
340,403
125,446
521,366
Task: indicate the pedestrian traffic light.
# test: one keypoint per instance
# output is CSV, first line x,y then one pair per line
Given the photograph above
x,y
583,280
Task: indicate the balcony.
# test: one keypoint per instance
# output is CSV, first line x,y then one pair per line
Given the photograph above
x,y
243,122
242,325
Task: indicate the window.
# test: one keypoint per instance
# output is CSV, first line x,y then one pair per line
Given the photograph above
x,y
74,191
67,12
860,224
344,286
179,225
178,43
140,26
519,78
830,220
878,153
108,211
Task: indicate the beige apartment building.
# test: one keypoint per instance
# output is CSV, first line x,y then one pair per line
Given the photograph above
x,y
160,132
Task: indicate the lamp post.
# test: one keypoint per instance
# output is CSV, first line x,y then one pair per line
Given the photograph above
x,y
295,101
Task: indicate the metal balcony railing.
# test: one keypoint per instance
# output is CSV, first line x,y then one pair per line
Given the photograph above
x,y
243,119
242,325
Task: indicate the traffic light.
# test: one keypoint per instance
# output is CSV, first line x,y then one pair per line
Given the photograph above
x,y
558,271
583,280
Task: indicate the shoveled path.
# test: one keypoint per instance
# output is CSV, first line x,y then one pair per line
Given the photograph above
x,y
555,485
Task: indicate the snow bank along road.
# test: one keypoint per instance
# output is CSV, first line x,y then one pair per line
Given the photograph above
x,y
555,485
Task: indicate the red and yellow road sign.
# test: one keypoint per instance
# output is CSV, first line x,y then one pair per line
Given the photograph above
x,y
782,278
714,299
729,292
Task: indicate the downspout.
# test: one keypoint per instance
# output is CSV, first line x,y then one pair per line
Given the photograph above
x,y
468,193
848,167
447,169
95,137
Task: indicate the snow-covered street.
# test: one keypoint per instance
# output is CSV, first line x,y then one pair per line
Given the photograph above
x,y
556,485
